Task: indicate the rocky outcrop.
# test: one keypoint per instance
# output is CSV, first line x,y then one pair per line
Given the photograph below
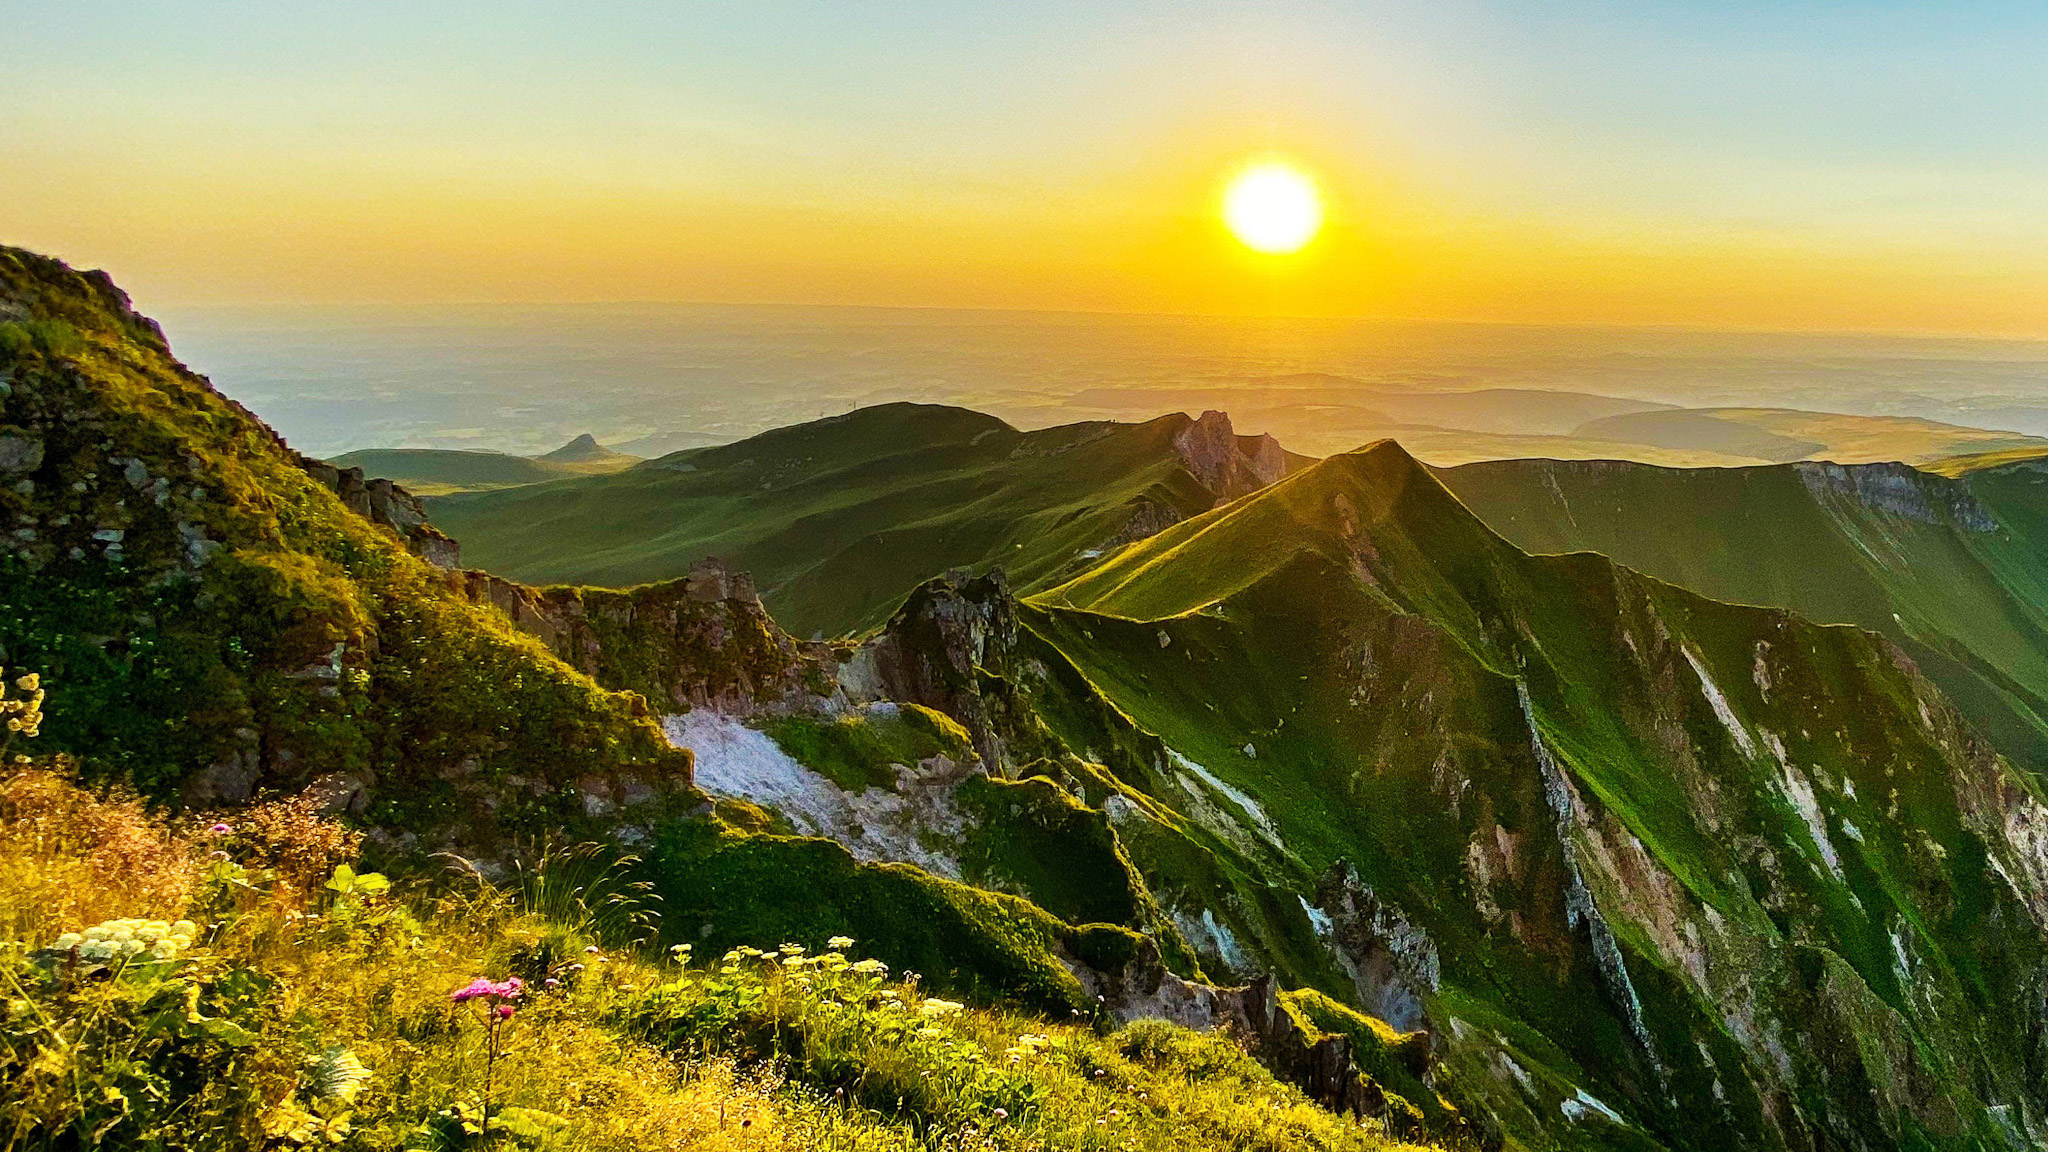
x,y
1902,491
1327,1066
1392,962
1224,462
950,648
381,502
703,641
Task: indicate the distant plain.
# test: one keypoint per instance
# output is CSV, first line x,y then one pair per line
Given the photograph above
x,y
647,379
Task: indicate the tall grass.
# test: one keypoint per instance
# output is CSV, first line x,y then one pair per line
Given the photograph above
x,y
321,1016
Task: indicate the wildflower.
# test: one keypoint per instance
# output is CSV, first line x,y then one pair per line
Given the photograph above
x,y
590,949
29,683
504,1012
935,1008
871,967
1001,1113
839,943
792,949
477,988
221,829
553,983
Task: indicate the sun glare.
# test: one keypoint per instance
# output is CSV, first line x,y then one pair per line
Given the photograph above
x,y
1273,207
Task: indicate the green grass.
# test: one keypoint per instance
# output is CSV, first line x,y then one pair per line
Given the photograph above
x,y
1348,647
1968,603
839,519
322,1016
441,471
196,599
865,751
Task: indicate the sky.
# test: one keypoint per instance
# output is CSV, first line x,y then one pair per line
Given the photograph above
x,y
1792,165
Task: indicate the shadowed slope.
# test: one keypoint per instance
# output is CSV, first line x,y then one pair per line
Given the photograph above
x,y
1955,571
1678,870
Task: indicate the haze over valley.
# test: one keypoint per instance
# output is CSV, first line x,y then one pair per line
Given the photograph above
x,y
651,379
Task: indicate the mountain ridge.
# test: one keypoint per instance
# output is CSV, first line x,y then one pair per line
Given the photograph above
x,y
838,519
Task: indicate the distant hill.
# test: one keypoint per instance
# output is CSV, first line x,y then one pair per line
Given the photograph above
x,y
439,471
586,452
839,518
1779,435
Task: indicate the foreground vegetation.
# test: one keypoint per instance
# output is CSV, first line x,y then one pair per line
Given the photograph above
x,y
235,983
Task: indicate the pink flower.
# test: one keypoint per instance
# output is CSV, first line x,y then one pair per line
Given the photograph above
x,y
477,987
1002,1113
511,989
504,1012
220,829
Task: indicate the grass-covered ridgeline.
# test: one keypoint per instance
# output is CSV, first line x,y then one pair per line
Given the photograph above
x,y
839,519
1951,569
206,985
1674,858
221,623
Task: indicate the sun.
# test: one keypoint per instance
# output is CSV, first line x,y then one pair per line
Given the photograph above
x,y
1273,207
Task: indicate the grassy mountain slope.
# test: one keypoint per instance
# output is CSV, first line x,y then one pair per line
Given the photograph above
x,y
439,471
212,623
214,620
1684,873
1952,570
1785,434
839,518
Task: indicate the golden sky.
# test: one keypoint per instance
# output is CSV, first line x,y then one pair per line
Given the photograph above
x,y
1769,166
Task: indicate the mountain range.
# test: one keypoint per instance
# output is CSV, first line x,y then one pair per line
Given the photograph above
x,y
1531,804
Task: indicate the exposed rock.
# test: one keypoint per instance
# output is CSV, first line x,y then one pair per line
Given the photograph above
x,y
1228,464
1321,1065
340,792
916,821
20,453
712,580
950,634
1570,814
231,780
1392,963
701,642
1902,491
381,502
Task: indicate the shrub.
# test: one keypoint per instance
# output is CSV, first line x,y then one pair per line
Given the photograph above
x,y
289,837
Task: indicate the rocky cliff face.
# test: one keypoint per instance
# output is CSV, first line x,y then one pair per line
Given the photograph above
x,y
387,505
703,641
1899,490
950,648
1224,462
